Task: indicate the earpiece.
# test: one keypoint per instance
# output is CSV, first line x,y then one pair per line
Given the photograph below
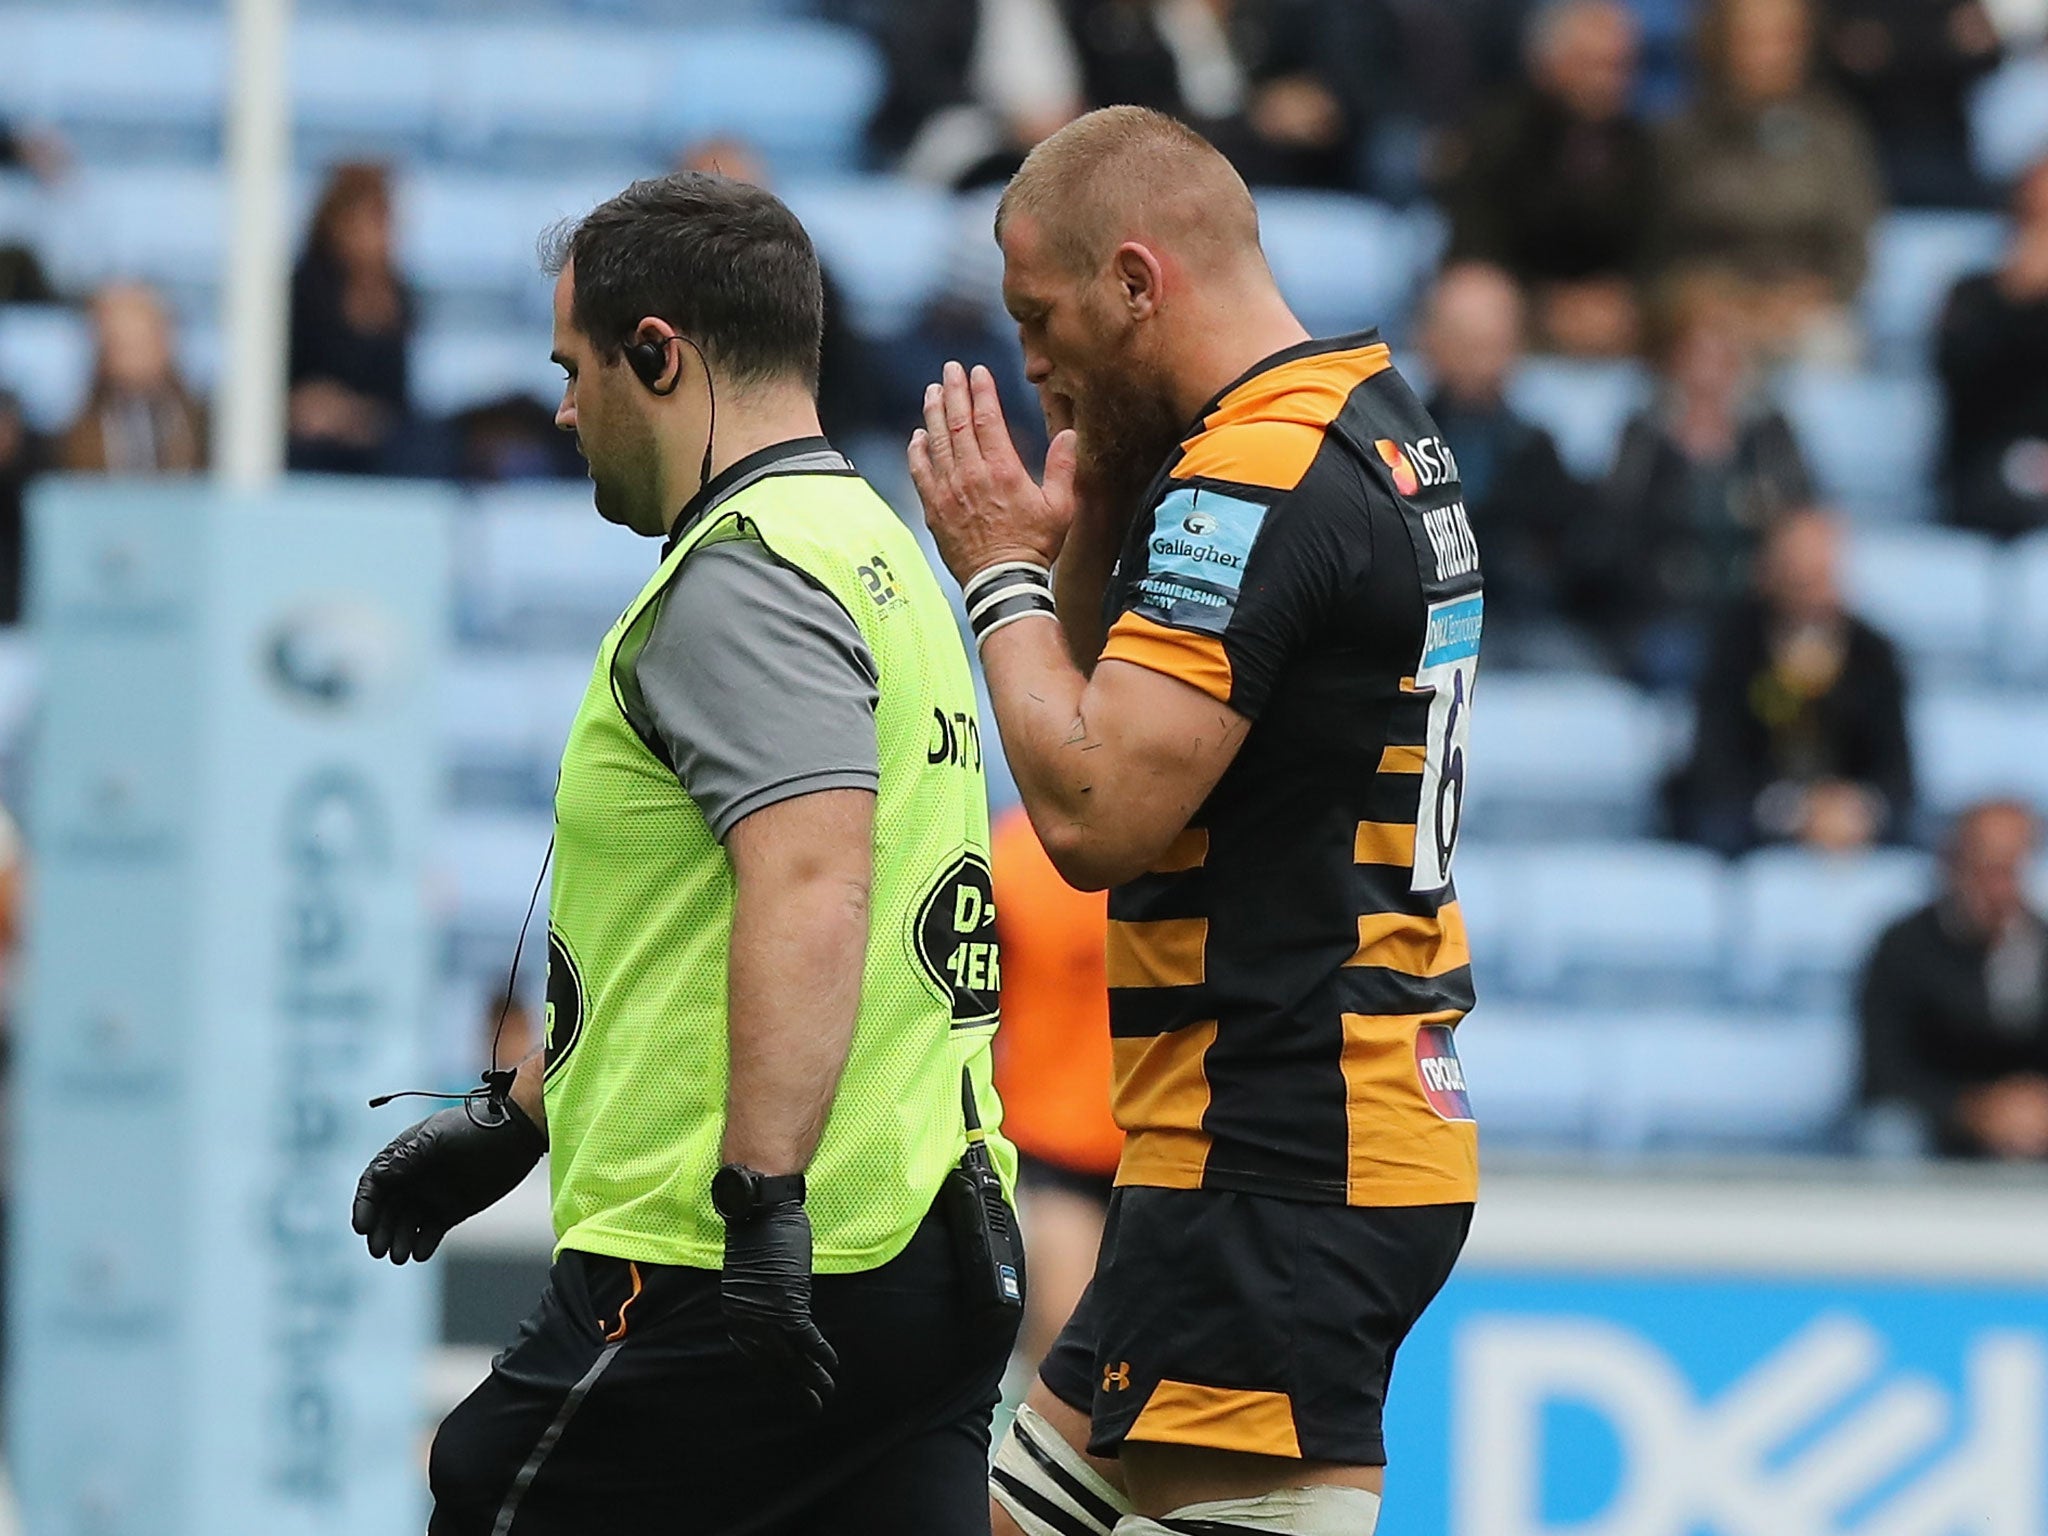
x,y
647,360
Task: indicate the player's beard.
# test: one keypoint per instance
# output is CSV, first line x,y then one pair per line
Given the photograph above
x,y
1127,424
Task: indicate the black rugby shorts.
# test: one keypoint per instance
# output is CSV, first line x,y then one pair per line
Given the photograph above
x,y
1249,1323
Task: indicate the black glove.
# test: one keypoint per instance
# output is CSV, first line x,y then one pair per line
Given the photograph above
x,y
766,1293
442,1171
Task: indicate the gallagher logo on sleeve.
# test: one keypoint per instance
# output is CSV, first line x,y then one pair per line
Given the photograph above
x,y
1195,559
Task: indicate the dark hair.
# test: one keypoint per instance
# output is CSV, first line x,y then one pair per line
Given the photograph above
x,y
723,262
350,185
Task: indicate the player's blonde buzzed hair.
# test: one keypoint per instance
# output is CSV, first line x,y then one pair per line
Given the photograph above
x,y
1128,171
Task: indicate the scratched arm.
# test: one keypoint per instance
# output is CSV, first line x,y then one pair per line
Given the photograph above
x,y
1111,767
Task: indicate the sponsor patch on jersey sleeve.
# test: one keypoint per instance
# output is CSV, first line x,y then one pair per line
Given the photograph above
x,y
1195,558
1441,1073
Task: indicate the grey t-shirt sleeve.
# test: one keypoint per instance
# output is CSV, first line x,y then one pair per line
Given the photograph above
x,y
758,684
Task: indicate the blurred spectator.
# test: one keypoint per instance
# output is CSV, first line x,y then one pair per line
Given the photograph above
x,y
1053,1070
139,418
847,383
1801,731
1993,354
973,84
1908,67
46,157
1558,181
1517,493
19,459
512,437
1288,89
1771,179
1696,478
1955,1004
40,152
351,330
1456,55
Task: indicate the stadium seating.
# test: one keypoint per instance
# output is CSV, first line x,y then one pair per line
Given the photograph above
x,y
1562,757
511,85
46,361
1344,263
485,864
2009,117
456,367
1804,921
1583,405
91,68
1968,745
1628,1079
802,91
536,568
506,715
473,235
1619,923
1916,256
1536,1075
1727,1081
368,84
2024,636
1870,438
167,223
1934,591
887,242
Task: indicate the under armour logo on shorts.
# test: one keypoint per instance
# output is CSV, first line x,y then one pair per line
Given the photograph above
x,y
1117,1378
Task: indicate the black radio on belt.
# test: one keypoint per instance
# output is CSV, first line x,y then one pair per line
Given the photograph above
x,y
986,1243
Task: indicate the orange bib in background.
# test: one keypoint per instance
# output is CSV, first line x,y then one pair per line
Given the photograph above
x,y
1052,1053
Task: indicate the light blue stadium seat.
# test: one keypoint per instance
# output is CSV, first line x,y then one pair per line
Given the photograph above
x,y
505,716
21,671
1727,1080
379,79
539,568
484,865
126,67
2025,636
1916,256
1870,438
1969,745
1561,757
1584,405
164,223
802,91
1488,880
1621,923
1535,1075
475,233
2009,117
888,243
1805,921
540,82
1343,263
1934,591
456,367
26,208
46,360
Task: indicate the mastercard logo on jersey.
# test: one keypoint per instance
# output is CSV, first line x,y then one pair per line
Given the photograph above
x,y
1406,481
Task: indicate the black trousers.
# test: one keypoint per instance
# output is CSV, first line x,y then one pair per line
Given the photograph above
x,y
625,1407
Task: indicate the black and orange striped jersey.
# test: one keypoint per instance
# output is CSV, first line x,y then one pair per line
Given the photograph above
x,y
1283,985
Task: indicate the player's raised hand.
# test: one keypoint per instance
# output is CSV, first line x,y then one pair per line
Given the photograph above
x,y
980,502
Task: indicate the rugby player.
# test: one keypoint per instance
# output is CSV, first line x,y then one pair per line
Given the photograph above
x,y
1254,735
